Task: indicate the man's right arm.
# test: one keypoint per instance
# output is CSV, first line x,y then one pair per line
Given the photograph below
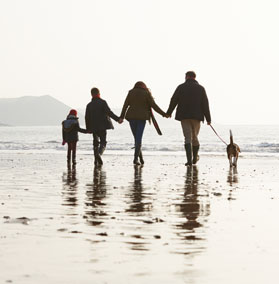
x,y
205,106
173,101
87,119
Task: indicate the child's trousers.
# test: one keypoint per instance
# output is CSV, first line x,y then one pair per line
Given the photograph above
x,y
72,147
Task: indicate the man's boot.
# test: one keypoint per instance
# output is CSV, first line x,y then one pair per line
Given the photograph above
x,y
195,154
188,149
98,159
136,155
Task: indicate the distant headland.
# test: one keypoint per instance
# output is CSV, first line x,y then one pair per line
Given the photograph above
x,y
32,111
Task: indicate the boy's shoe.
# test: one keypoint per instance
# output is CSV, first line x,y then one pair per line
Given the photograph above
x,y
98,159
136,162
102,149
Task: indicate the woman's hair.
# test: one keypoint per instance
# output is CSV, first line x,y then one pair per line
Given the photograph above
x,y
141,85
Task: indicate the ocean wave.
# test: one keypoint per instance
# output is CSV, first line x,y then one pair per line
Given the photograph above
x,y
269,145
167,146
7,142
52,142
119,149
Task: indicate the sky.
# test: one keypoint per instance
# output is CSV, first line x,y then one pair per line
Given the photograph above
x,y
63,48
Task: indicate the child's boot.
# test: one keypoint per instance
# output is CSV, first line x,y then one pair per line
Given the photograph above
x,y
74,158
69,158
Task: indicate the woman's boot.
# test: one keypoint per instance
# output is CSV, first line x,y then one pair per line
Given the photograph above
x,y
136,155
188,149
141,157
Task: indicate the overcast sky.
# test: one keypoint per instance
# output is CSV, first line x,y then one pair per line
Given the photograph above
x,y
65,47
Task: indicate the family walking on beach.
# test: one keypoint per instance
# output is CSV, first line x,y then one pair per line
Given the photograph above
x,y
192,107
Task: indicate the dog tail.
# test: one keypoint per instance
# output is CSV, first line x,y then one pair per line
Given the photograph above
x,y
231,137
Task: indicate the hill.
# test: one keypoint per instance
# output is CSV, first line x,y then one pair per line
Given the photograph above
x,y
3,124
32,111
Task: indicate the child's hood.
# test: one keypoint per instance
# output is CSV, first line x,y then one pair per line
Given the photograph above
x,y
73,117
70,122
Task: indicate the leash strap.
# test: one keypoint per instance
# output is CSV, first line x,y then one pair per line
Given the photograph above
x,y
218,135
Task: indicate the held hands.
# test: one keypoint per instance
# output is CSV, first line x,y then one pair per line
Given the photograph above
x,y
167,115
208,123
63,142
120,120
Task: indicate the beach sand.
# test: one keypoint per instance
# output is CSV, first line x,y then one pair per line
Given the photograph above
x,y
160,223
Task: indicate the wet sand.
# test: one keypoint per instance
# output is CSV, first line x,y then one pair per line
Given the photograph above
x,y
161,223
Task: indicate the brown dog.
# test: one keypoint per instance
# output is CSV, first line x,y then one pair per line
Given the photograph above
x,y
233,151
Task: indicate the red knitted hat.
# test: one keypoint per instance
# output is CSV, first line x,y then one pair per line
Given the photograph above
x,y
73,112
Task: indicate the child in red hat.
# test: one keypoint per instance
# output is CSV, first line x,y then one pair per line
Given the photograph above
x,y
70,129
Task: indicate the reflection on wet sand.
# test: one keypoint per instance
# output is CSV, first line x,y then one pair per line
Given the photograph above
x,y
191,205
70,185
136,193
232,176
95,193
193,209
167,236
137,200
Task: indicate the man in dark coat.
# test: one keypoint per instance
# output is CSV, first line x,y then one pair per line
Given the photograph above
x,y
192,107
97,120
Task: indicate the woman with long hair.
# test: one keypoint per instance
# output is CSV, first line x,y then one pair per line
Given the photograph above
x,y
137,109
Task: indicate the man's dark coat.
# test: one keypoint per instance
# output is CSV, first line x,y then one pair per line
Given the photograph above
x,y
191,101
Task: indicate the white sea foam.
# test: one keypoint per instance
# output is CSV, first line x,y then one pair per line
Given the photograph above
x,y
260,140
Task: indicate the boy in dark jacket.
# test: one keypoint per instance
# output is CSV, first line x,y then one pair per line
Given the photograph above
x,y
97,120
70,129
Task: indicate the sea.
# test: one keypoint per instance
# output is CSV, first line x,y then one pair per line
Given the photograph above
x,y
259,140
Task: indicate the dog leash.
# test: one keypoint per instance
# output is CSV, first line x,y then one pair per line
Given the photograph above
x,y
218,135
